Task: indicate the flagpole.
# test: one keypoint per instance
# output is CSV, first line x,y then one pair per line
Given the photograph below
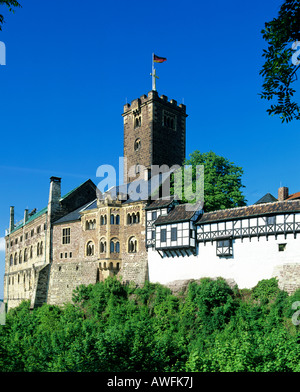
x,y
153,71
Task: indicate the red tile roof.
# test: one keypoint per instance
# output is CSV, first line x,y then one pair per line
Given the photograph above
x,y
294,196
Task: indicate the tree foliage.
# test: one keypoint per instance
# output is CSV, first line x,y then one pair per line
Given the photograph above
x,y
279,71
11,4
111,327
222,181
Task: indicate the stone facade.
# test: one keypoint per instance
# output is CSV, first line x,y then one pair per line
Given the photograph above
x,y
154,133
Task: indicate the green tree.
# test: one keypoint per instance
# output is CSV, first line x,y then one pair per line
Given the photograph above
x,y
222,181
10,4
279,71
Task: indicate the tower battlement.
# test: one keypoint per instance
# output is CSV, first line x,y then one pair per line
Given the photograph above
x,y
153,95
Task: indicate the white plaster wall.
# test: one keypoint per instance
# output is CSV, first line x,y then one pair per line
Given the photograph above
x,y
251,262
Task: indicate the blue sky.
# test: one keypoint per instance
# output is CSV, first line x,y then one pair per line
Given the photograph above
x,y
71,66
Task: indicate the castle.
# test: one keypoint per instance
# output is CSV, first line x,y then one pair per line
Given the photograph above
x,y
85,236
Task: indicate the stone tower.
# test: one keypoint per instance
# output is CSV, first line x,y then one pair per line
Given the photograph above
x,y
154,134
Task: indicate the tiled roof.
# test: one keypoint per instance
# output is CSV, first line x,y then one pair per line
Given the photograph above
x,y
160,203
179,214
267,198
294,196
251,211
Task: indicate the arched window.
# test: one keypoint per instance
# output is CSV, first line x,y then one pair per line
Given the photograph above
x,y
132,245
41,248
90,249
101,220
111,266
117,219
112,219
11,260
31,252
137,220
86,225
114,245
102,246
133,218
129,221
38,250
15,259
137,144
25,255
20,257
94,224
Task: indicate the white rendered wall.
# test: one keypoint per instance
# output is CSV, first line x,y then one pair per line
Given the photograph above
x,y
251,262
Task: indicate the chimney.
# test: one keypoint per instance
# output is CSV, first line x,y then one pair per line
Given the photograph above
x,y
283,193
25,216
54,196
12,219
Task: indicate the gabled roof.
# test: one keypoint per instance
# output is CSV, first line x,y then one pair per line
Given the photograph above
x,y
75,215
180,213
267,198
250,211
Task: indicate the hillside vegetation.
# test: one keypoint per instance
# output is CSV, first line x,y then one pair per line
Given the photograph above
x,y
112,327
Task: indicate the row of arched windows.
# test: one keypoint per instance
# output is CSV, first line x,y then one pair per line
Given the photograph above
x,y
18,279
114,219
114,246
20,257
133,218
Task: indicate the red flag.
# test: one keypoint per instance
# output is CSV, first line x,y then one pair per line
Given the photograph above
x,y
158,59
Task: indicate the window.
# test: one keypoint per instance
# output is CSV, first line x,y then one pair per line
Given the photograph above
x,y
224,247
41,248
31,252
38,250
114,245
132,245
154,215
26,236
169,120
32,233
90,249
281,247
21,238
38,230
61,255
25,256
71,256
103,220
20,257
174,234
163,235
137,144
66,235
153,234
271,220
112,219
137,121
102,246
117,219
11,260
15,259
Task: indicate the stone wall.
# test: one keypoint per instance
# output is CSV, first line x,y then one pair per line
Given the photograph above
x,y
66,276
288,276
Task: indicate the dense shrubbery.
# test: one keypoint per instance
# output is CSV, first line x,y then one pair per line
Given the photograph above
x,y
111,327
